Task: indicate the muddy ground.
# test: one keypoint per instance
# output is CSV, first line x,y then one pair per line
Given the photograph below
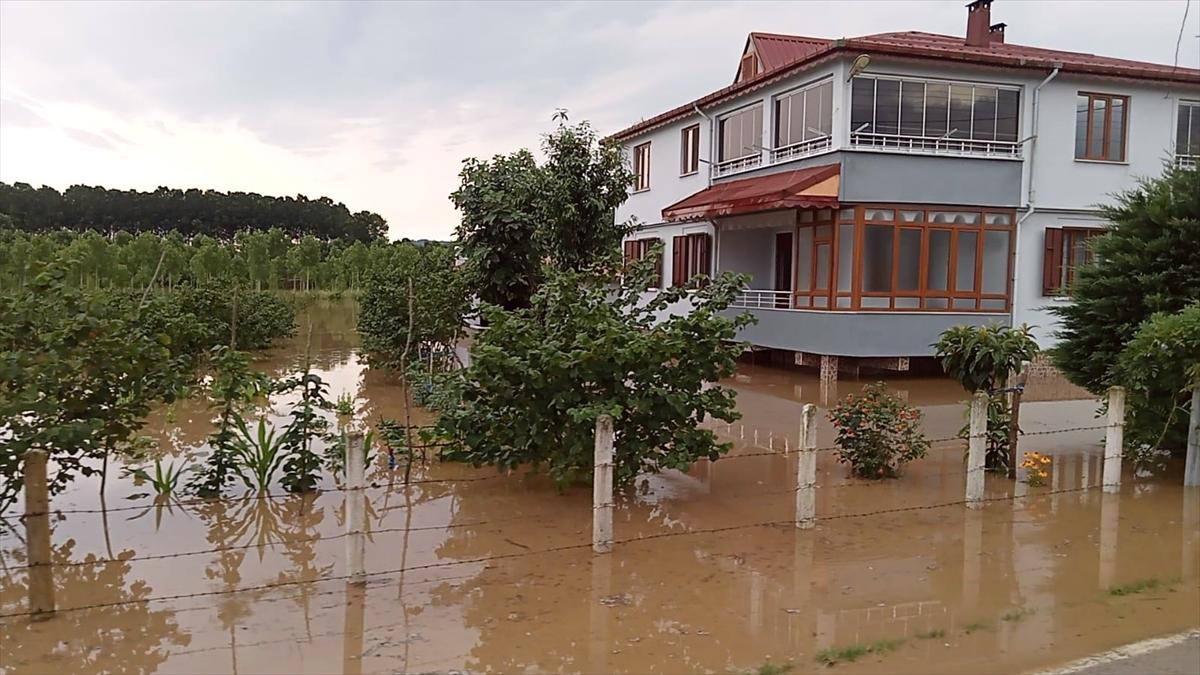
x,y
477,571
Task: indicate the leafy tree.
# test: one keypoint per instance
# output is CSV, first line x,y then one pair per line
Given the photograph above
x,y
589,345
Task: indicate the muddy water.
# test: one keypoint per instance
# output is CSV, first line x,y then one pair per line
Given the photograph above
x,y
492,573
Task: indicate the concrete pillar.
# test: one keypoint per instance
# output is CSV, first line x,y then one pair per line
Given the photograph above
x,y
1114,439
37,536
977,450
602,487
356,512
806,469
1191,468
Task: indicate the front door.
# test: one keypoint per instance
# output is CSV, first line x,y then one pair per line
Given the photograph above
x,y
783,267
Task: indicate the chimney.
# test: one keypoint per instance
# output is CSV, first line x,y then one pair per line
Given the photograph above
x,y
979,18
996,34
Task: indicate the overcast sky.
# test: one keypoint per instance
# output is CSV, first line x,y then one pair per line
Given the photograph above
x,y
376,104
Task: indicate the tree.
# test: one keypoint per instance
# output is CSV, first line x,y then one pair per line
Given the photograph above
x,y
1148,262
589,345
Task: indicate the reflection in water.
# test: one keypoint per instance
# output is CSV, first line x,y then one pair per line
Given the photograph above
x,y
720,601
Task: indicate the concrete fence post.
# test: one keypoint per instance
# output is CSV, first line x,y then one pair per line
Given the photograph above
x,y
37,536
977,449
806,469
1191,468
1114,439
355,509
602,487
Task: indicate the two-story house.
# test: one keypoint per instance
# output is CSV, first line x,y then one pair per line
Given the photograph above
x,y
880,189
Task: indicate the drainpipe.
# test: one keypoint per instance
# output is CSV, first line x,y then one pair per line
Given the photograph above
x,y
712,128
1029,203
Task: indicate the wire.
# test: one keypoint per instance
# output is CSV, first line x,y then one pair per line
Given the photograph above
x,y
1182,25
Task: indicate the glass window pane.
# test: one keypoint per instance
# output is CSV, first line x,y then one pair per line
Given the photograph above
x,y
825,111
824,231
783,122
937,107
997,219
887,107
806,216
954,217
984,121
964,303
868,302
937,267
937,303
846,214
1099,115
1081,115
821,301
803,301
960,111
1182,125
992,303
995,261
1194,131
822,280
756,131
1007,114
877,258
908,272
804,260
845,256
964,260
878,214
1116,138
912,108
910,216
908,303
843,301
862,104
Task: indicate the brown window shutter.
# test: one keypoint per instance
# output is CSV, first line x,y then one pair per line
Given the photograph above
x,y
679,273
1052,262
631,251
705,245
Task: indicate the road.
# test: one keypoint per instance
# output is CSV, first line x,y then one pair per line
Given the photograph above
x,y
1172,655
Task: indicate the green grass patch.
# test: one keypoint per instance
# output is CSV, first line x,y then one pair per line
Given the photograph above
x,y
1018,614
1134,587
935,634
976,626
832,657
769,668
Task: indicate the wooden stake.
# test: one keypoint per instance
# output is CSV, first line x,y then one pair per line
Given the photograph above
x,y
1114,439
602,487
806,469
977,449
1018,385
355,509
37,536
1191,469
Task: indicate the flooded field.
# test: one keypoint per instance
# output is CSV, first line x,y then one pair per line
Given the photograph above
x,y
470,570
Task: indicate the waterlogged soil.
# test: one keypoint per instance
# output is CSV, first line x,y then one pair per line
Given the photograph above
x,y
479,571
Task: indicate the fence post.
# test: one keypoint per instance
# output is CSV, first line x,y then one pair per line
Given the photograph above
x,y
977,449
37,536
355,510
806,469
1017,383
1191,469
602,487
1114,438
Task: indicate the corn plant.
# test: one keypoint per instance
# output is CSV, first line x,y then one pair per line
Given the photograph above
x,y
164,480
259,453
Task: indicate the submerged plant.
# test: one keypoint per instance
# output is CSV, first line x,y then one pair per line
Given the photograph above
x,y
164,480
302,465
232,387
877,432
1035,468
344,406
259,453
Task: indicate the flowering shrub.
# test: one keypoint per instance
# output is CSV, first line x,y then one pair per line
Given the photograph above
x,y
877,432
1035,464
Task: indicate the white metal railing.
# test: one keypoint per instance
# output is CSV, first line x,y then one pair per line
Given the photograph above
x,y
1187,161
943,146
735,165
801,149
752,298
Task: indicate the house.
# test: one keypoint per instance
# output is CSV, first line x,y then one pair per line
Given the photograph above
x,y
880,189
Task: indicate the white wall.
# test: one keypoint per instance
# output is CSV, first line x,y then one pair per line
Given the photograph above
x,y
1029,305
746,244
666,233
666,185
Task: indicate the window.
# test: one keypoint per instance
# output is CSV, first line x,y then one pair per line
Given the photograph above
x,y
1100,122
636,249
689,150
1066,249
925,115
691,254
749,67
741,134
641,167
1187,134
803,116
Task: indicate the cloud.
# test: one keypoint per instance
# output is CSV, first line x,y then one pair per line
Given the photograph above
x,y
376,104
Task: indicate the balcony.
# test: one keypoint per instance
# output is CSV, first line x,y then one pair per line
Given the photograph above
x,y
958,147
1187,161
752,298
802,149
738,165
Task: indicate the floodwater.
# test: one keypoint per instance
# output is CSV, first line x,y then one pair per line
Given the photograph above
x,y
471,570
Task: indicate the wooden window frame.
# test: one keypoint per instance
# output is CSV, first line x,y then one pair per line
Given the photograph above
x,y
1092,97
722,119
1182,145
1058,261
689,150
748,67
691,254
641,167
922,292
636,249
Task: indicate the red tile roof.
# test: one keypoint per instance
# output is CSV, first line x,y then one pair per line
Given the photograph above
x,y
782,55
785,190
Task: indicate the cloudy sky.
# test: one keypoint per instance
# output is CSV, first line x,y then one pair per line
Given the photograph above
x,y
376,104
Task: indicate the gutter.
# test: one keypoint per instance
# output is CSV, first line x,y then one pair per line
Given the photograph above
x,y
1030,206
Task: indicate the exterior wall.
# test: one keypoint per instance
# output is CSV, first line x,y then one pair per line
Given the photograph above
x,y
666,233
870,177
1029,305
856,333
746,244
666,185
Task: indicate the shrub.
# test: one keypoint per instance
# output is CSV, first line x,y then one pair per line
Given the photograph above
x,y
877,432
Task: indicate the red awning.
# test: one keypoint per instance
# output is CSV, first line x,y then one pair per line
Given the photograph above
x,y
814,187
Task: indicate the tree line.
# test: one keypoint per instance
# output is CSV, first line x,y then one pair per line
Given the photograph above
x,y
263,260
189,212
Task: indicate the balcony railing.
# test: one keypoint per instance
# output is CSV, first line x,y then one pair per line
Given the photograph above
x,y
939,146
801,149
1187,161
735,165
762,299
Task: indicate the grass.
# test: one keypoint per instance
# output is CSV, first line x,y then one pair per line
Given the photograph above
x,y
934,634
976,626
769,668
1018,614
1133,587
832,657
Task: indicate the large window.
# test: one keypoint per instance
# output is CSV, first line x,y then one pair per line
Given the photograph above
x,y
803,121
1100,123
1067,249
1187,134
641,167
691,254
740,139
689,150
636,249
934,116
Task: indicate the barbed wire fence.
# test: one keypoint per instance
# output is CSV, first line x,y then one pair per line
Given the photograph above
x,y
40,567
